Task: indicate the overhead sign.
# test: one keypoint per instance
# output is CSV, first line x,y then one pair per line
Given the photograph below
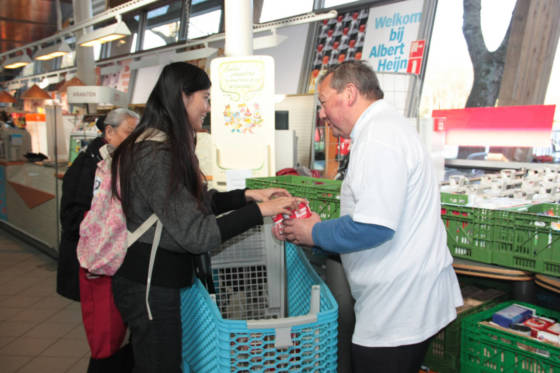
x,y
94,94
528,125
391,30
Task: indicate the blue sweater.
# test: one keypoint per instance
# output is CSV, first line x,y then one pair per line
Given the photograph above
x,y
344,235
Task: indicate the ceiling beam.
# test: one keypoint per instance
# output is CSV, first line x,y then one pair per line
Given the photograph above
x,y
16,20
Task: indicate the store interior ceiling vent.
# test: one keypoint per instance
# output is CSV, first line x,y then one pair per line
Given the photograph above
x,y
195,54
268,41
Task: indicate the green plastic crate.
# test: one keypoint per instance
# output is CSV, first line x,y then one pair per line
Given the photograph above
x,y
487,349
525,240
323,194
548,209
454,199
469,232
530,240
444,352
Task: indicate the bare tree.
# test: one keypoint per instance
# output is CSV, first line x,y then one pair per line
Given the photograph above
x,y
488,66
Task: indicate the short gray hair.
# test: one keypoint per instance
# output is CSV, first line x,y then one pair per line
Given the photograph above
x,y
117,116
358,73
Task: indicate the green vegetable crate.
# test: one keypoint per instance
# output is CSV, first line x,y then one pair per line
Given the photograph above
x,y
323,194
488,349
525,240
444,352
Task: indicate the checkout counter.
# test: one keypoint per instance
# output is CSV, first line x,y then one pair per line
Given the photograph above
x,y
30,191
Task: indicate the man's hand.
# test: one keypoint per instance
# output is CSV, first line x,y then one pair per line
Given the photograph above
x,y
299,231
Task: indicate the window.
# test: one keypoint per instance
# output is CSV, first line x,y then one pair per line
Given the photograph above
x,y
204,24
162,26
449,72
205,18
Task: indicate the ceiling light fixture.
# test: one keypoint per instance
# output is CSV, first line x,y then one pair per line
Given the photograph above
x,y
195,54
17,62
145,61
105,34
268,41
53,51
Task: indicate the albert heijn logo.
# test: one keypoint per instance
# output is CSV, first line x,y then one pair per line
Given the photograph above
x,y
415,57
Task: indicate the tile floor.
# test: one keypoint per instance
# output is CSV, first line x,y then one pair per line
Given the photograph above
x,y
40,331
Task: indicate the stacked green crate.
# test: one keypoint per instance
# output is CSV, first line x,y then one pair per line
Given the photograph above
x,y
526,238
469,232
529,240
485,348
323,194
454,199
443,355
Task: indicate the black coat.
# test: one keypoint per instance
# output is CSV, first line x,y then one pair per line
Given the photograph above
x,y
77,192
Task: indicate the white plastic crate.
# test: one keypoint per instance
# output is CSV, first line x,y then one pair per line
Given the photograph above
x,y
249,275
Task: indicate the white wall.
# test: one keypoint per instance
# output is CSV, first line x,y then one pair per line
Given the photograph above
x,y
301,115
288,58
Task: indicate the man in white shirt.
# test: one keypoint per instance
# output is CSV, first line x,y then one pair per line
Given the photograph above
x,y
390,235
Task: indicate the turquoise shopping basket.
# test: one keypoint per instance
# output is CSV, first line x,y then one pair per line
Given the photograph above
x,y
304,341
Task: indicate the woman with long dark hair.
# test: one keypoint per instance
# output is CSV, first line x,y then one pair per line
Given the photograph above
x,y
159,173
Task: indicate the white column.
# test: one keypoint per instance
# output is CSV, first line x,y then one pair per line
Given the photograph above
x,y
84,55
239,28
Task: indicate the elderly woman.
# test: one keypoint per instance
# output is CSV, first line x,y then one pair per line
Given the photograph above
x,y
77,192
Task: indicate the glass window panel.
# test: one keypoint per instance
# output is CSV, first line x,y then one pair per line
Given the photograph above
x,y
274,9
162,26
204,24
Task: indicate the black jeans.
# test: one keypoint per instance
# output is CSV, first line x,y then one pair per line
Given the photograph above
x,y
156,343
400,359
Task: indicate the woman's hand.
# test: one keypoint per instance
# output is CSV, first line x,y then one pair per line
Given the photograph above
x,y
267,194
280,205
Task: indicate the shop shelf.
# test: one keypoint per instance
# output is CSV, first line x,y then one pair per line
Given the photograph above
x,y
323,194
303,341
488,349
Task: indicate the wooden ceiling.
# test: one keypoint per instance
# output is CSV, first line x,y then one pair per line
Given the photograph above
x,y
25,21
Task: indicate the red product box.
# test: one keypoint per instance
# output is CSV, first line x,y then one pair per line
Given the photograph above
x,y
302,212
554,329
538,324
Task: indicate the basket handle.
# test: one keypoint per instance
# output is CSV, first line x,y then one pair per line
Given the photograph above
x,y
283,327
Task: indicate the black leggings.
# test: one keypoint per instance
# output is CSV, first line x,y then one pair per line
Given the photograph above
x,y
156,343
400,359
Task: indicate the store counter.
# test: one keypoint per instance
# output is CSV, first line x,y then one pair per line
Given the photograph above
x,y
522,282
29,202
